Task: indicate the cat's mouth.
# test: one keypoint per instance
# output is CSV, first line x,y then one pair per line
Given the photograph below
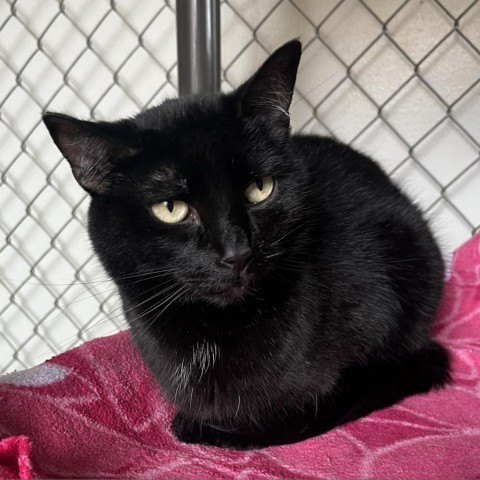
x,y
222,288
228,293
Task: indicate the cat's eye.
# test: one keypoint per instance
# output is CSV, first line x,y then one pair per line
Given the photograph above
x,y
260,189
171,211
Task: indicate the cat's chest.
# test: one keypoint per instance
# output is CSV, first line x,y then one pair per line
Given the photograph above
x,y
195,366
212,375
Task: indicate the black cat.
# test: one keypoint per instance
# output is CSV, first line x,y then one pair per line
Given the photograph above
x,y
277,285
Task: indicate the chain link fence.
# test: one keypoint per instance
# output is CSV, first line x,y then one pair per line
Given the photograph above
x,y
399,80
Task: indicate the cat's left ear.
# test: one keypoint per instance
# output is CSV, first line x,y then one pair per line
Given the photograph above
x,y
93,149
269,91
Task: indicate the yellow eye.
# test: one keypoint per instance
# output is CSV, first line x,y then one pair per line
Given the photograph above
x,y
171,211
260,189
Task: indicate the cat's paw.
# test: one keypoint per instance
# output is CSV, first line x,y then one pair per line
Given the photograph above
x,y
191,431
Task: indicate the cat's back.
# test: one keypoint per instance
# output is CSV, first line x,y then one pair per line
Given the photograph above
x,y
354,197
334,167
351,189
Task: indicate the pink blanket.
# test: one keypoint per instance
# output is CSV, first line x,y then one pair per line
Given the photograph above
x,y
96,412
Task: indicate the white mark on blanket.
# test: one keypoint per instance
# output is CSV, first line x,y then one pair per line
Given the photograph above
x,y
44,374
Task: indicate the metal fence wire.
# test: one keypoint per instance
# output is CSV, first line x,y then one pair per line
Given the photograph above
x,y
400,80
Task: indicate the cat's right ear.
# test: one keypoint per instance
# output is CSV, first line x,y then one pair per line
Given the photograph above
x,y
269,91
90,148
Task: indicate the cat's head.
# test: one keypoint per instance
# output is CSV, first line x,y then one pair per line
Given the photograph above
x,y
199,194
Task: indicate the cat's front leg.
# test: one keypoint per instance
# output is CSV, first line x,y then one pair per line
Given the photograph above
x,y
193,431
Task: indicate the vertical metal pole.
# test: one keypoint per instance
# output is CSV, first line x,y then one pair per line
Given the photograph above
x,y
198,46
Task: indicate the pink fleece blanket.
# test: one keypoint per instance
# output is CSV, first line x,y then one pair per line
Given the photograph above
x,y
96,412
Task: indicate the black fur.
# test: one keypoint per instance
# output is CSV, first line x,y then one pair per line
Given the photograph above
x,y
329,319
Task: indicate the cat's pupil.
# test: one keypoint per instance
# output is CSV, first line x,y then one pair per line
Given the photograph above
x,y
169,204
259,183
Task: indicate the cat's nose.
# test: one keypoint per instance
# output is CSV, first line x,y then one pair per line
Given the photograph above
x,y
237,258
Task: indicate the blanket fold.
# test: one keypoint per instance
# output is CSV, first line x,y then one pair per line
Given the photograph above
x,y
15,458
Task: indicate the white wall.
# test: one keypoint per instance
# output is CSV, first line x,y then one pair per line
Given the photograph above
x,y
410,99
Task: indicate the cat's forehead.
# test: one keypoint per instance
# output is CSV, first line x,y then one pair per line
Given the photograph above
x,y
191,114
190,139
190,133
